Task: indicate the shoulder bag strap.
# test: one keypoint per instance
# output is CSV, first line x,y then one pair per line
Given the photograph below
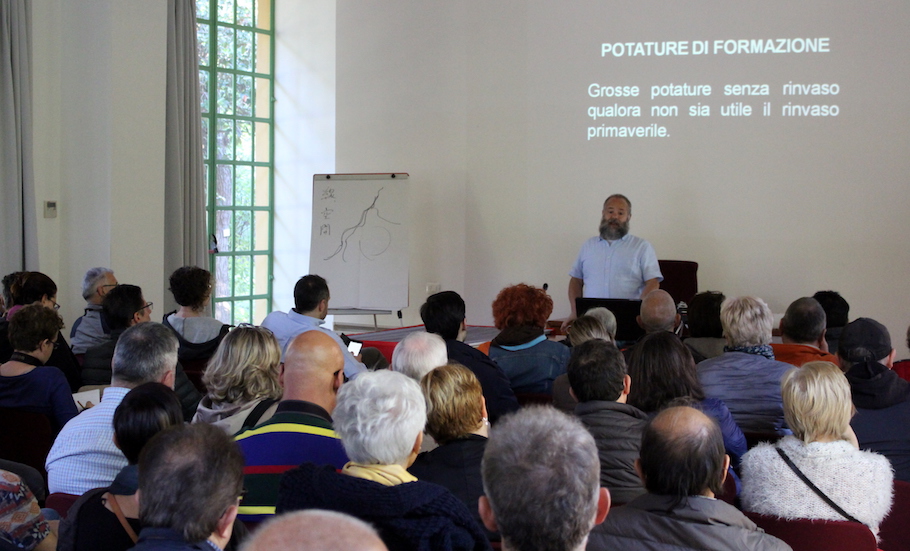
x,y
253,418
813,487
123,522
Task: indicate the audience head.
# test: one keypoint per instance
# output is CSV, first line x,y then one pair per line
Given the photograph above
x,y
658,312
837,310
191,287
311,294
244,368
144,412
682,454
703,317
597,371
32,287
606,318
662,370
34,328
380,418
146,352
864,340
541,479
804,322
418,353
190,480
443,314
7,283
315,530
747,321
313,369
455,404
96,283
124,306
522,305
818,404
586,328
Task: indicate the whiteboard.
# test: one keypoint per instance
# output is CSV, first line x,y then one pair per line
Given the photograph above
x,y
360,239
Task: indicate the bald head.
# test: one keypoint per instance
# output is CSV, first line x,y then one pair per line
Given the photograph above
x,y
682,454
313,369
315,530
658,312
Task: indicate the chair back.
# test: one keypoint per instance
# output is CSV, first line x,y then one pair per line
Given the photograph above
x,y
755,438
680,279
534,398
27,437
894,531
61,502
817,535
729,493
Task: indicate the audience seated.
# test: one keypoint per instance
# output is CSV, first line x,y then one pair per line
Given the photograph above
x,y
582,330
315,530
311,306
657,314
606,318
22,525
84,455
242,380
683,467
541,481
598,379
100,518
124,307
190,482
380,417
837,314
457,421
419,353
882,399
818,408
25,382
802,330
301,428
664,373
89,329
29,288
746,376
706,334
522,350
444,314
199,335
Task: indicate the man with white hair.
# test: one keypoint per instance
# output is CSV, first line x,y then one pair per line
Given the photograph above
x,y
380,418
746,376
419,353
89,330
541,475
315,530
84,455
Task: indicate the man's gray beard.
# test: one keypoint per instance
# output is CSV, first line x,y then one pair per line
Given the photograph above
x,y
612,233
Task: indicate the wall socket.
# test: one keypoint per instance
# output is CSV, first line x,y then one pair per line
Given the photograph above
x,y
433,288
50,209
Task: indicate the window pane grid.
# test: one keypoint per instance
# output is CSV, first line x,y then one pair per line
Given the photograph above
x,y
236,53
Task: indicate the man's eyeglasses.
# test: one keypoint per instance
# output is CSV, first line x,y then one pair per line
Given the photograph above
x,y
147,305
56,306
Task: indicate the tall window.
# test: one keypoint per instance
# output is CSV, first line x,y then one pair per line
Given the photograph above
x,y
236,68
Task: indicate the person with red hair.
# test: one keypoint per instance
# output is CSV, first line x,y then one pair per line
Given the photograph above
x,y
521,349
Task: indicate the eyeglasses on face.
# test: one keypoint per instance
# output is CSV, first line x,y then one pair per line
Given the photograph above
x,y
147,305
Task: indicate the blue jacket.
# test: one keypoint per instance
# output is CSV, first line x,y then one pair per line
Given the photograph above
x,y
531,369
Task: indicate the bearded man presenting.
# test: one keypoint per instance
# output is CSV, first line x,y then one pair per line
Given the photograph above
x,y
614,264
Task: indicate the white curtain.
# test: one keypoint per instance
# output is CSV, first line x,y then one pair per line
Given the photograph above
x,y
18,224
184,188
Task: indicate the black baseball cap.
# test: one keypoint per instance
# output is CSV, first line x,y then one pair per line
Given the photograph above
x,y
863,340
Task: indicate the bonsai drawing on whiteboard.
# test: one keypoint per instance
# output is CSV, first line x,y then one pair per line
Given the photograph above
x,y
372,238
359,239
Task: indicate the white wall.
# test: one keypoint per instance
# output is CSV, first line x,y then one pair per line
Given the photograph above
x,y
478,101
99,101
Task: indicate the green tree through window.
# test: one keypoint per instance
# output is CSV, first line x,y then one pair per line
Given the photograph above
x,y
236,68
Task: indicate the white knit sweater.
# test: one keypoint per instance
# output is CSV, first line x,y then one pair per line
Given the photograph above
x,y
860,482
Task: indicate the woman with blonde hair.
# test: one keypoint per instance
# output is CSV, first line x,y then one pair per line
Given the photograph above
x,y
242,380
857,485
457,420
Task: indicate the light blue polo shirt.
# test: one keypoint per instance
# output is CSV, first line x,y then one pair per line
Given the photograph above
x,y
616,269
